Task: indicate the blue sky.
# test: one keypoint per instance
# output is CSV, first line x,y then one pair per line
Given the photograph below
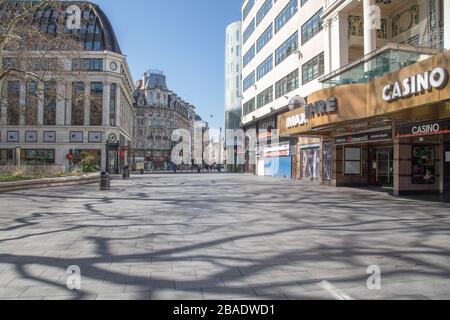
x,y
184,38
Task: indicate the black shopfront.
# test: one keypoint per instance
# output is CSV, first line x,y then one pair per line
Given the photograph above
x,y
430,156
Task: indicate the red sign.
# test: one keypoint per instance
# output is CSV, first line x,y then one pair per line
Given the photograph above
x,y
277,154
69,156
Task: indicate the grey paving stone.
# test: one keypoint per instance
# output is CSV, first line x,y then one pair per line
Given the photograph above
x,y
255,235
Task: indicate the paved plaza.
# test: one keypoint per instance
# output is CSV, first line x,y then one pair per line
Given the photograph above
x,y
221,237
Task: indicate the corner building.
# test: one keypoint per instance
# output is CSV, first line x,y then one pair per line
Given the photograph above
x,y
95,115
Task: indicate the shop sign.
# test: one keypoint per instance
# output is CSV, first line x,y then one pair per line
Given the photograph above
x,y
312,110
321,107
366,137
295,121
277,151
424,129
420,83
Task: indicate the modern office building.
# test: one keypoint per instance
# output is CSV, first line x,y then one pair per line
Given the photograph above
x,y
382,116
283,57
157,113
233,85
51,122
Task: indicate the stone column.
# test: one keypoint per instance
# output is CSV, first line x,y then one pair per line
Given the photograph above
x,y
40,120
60,103
106,103
87,103
370,32
23,102
397,157
338,42
68,119
446,29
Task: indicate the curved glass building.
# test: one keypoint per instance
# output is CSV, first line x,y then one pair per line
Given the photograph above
x,y
81,105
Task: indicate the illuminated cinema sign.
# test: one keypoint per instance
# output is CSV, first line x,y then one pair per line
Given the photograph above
x,y
420,83
424,129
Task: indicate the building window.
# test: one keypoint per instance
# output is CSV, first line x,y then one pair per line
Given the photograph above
x,y
6,157
76,137
411,15
249,81
13,108
286,14
31,111
50,103
262,12
286,49
96,115
265,38
12,136
352,161
249,56
247,9
287,84
249,106
424,165
264,68
313,69
112,105
265,97
87,64
312,27
77,104
249,31
37,157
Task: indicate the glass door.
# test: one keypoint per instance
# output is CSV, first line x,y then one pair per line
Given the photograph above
x,y
112,159
385,168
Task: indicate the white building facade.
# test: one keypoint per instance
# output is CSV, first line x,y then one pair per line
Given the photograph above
x,y
283,57
233,76
233,80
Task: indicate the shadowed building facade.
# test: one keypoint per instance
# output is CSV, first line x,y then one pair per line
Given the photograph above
x,y
157,113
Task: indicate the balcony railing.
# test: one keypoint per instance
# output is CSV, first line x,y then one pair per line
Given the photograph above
x,y
387,59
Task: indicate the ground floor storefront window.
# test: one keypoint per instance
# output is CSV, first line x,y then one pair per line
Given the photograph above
x,y
424,165
37,157
6,157
352,161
